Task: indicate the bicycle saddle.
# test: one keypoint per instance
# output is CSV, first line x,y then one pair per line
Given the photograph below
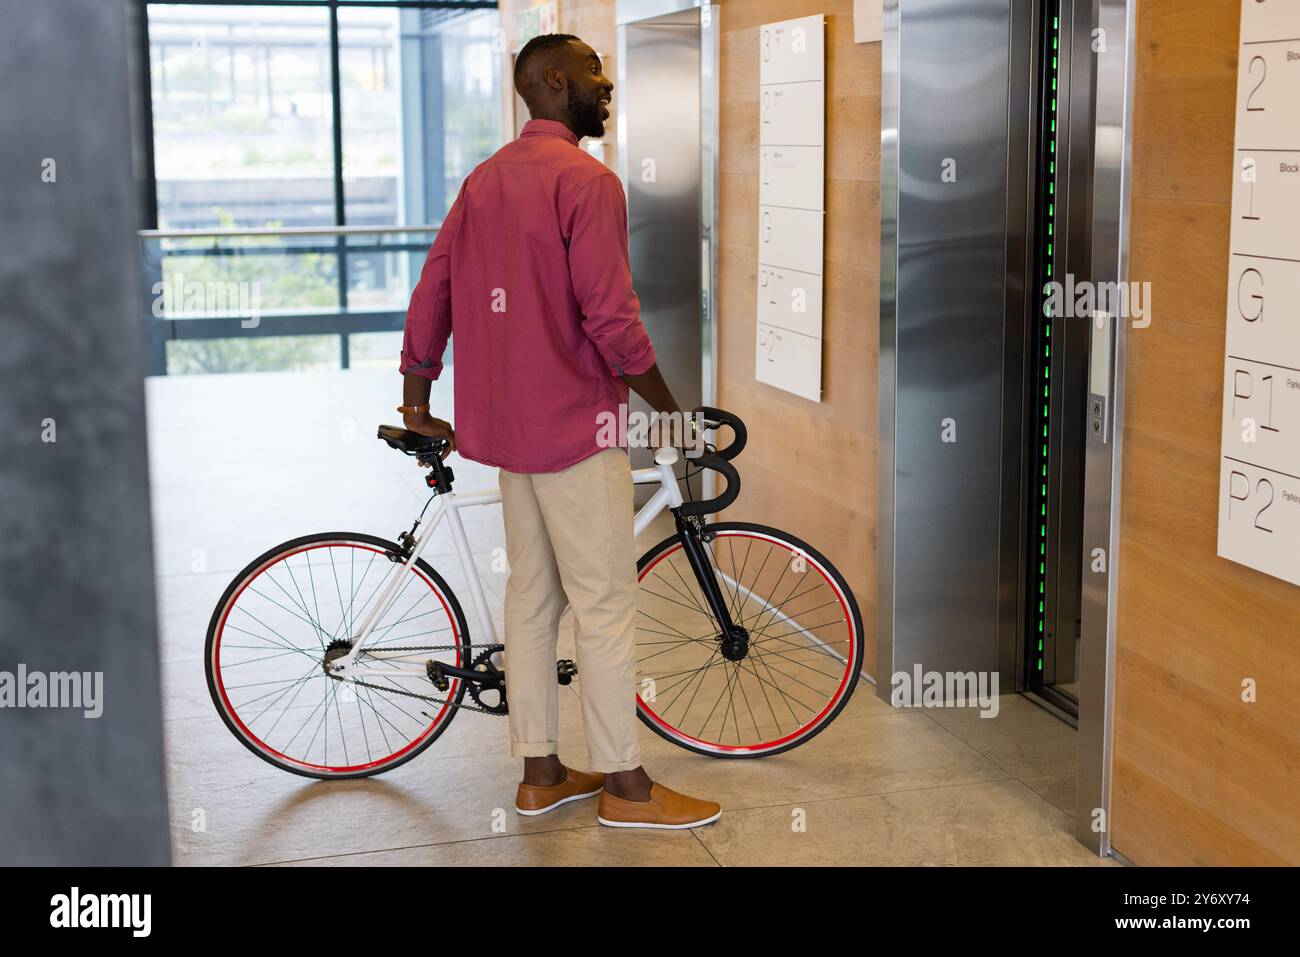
x,y
412,443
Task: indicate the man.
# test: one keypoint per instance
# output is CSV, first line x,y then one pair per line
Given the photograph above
x,y
530,270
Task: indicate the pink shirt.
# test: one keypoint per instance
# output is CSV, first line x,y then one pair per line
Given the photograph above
x,y
530,273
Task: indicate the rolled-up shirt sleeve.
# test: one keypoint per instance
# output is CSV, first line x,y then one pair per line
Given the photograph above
x,y
602,278
428,317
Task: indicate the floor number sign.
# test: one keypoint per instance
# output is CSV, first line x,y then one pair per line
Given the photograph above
x,y
1259,478
791,204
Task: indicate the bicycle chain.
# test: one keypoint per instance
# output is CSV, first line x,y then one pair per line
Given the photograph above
x,y
421,697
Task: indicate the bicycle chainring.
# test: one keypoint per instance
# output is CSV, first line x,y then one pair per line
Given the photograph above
x,y
490,700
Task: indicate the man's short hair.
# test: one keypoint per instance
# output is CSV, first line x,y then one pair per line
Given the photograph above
x,y
539,44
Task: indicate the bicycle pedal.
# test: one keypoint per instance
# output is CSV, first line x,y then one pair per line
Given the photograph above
x,y
434,670
565,670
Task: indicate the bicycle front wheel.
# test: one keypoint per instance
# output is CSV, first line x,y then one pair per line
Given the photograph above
x,y
784,683
299,605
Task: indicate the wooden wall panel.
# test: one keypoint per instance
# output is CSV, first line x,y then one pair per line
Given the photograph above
x,y
810,467
1200,777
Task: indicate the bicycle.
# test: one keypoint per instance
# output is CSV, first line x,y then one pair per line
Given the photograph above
x,y
320,684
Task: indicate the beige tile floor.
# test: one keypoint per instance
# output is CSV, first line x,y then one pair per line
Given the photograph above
x,y
242,462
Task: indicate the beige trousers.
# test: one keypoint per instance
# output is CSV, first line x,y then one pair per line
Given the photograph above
x,y
569,541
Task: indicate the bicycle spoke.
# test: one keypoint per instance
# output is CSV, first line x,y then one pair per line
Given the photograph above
x,y
698,604
699,674
277,692
681,604
314,598
342,734
666,625
305,652
726,688
374,591
314,625
370,702
302,683
361,720
339,593
766,699
315,622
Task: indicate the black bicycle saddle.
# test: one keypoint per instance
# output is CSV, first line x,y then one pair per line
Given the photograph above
x,y
412,443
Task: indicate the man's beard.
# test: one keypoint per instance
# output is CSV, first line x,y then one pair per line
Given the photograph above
x,y
585,115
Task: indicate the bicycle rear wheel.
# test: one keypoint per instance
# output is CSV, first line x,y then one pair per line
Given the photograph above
x,y
304,601
793,676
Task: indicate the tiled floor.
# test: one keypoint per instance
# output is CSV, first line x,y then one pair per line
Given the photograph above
x,y
242,462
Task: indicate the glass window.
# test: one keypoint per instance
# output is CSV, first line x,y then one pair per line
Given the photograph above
x,y
252,354
374,350
421,108
285,276
420,105
242,115
244,138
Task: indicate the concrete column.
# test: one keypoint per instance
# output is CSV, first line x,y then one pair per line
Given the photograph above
x,y
76,569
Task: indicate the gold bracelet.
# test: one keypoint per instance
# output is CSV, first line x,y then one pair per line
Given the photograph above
x,y
413,409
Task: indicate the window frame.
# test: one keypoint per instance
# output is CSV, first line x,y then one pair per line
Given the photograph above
x,y
342,321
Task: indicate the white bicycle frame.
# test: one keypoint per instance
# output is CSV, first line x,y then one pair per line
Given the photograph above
x,y
448,507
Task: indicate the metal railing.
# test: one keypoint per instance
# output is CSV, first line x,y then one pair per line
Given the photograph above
x,y
238,232
313,281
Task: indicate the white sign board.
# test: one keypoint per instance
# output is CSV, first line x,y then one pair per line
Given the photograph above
x,y
868,21
1259,471
791,204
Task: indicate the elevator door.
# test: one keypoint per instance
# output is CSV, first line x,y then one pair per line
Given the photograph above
x,y
947,455
659,115
985,200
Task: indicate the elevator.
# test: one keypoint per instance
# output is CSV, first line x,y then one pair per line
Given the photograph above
x,y
666,103
984,392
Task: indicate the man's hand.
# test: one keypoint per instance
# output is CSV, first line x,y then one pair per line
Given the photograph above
x,y
650,386
671,430
426,424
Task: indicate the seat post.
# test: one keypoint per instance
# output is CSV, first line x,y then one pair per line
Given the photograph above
x,y
441,476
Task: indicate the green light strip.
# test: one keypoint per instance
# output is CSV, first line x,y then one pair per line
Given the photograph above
x,y
1051,81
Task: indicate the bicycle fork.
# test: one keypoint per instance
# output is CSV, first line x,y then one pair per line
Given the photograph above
x,y
733,640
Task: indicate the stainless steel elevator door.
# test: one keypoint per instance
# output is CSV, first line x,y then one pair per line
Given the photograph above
x,y
950,343
660,125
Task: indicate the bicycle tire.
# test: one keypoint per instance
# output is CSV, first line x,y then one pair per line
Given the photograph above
x,y
232,720
853,656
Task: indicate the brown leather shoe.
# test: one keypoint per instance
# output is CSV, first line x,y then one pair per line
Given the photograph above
x,y
665,809
533,799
